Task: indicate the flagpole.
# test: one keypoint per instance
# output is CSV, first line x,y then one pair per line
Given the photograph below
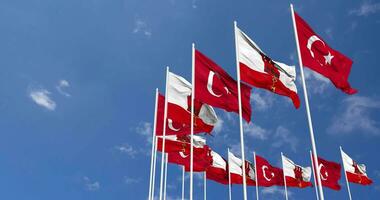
x,y
166,174
286,189
256,180
164,133
229,175
153,147
240,114
307,105
315,181
345,174
183,182
204,186
192,120
154,166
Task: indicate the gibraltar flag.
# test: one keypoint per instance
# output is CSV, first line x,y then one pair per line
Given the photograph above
x,y
356,173
236,172
267,175
217,88
257,69
320,57
178,143
295,175
218,169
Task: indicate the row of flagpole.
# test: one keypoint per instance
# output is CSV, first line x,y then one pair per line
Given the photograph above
x,y
162,190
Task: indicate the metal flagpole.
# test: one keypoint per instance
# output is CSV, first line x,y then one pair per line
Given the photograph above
x,y
345,174
229,175
256,180
286,189
315,181
164,134
154,166
153,148
307,105
183,182
192,120
166,174
204,186
240,113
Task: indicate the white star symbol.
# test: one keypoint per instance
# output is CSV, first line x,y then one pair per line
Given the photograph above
x,y
328,58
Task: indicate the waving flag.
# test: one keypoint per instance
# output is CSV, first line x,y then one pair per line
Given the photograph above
x,y
236,172
179,106
259,70
178,143
329,173
296,175
218,169
356,173
320,57
267,175
217,88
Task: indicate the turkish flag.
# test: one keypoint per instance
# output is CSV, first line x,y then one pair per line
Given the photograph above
x,y
320,57
217,171
216,87
178,122
329,173
267,175
201,161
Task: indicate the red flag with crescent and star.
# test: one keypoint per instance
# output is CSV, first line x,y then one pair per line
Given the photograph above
x,y
216,87
329,173
178,122
267,175
320,57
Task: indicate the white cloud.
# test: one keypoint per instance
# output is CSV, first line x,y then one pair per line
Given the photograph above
x,y
142,28
62,84
262,100
255,131
194,4
275,191
283,137
41,97
127,149
366,8
129,180
218,126
91,185
356,115
145,129
316,83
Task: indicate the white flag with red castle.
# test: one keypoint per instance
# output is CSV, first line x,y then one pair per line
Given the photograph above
x,y
356,173
296,175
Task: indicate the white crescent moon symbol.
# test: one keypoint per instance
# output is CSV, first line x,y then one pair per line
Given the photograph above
x,y
209,84
264,174
182,154
326,174
170,124
310,42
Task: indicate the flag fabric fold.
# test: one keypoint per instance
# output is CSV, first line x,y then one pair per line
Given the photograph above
x,y
321,58
259,70
296,175
356,173
216,87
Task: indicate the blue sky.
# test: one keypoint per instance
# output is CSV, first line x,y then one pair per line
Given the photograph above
x,y
77,88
